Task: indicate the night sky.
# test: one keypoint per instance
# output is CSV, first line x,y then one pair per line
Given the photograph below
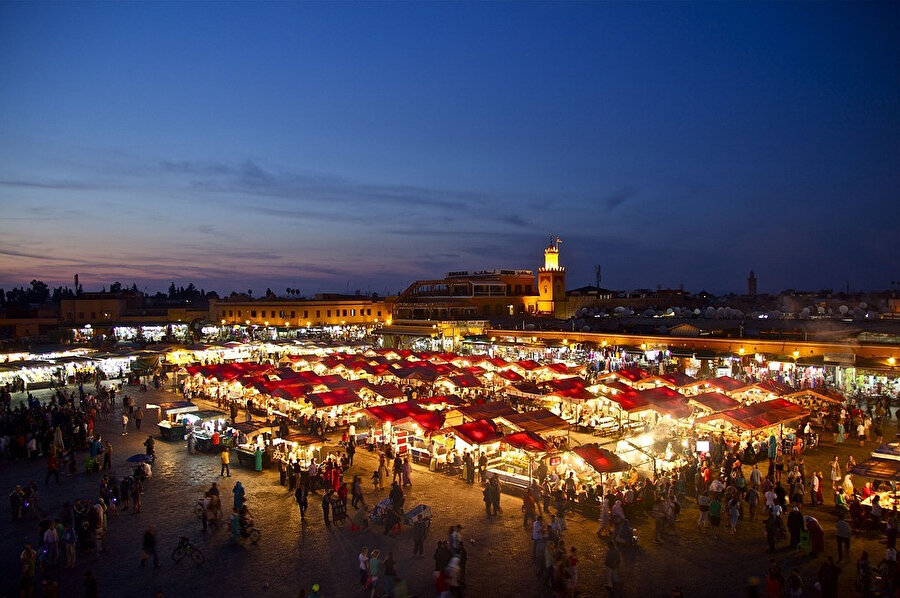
x,y
341,146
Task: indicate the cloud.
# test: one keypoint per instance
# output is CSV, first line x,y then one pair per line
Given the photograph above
x,y
61,185
618,198
250,178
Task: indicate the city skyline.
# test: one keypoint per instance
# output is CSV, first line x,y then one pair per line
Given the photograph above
x,y
334,147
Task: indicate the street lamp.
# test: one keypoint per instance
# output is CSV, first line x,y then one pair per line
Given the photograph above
x,y
892,361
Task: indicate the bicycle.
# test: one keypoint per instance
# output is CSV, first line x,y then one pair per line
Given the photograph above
x,y
187,548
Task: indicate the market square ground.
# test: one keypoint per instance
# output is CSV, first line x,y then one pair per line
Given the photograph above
x,y
293,556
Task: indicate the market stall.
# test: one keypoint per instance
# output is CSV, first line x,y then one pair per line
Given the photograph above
x,y
481,436
590,463
203,424
515,462
171,421
244,438
296,450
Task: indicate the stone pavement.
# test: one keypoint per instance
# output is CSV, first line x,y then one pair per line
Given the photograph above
x,y
291,556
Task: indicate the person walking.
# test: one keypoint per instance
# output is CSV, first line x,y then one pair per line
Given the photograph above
x,y
52,469
363,568
302,497
69,541
374,572
835,473
148,547
107,456
124,424
226,464
842,532
418,533
238,492
326,505
138,416
528,508
137,491
734,512
351,451
406,469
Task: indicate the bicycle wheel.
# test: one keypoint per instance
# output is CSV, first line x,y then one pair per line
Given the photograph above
x,y
197,556
178,554
254,536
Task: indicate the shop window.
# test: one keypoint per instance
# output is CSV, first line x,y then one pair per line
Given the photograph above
x,y
281,314
230,313
369,312
240,313
306,314
272,314
345,313
318,313
379,313
328,313
253,313
352,312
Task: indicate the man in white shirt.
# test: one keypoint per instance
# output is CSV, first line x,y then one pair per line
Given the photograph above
x,y
770,497
536,535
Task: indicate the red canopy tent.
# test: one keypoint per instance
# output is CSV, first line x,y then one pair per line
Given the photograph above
x,y
478,432
601,459
759,415
332,398
464,381
527,441
509,375
714,401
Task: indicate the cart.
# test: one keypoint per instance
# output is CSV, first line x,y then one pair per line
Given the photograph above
x,y
418,513
379,511
384,514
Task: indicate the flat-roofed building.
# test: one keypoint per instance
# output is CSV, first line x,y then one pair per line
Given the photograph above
x,y
335,310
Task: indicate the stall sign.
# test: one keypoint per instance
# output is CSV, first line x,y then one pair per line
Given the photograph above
x,y
554,461
703,446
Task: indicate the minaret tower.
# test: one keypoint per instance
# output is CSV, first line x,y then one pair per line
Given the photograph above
x,y
552,282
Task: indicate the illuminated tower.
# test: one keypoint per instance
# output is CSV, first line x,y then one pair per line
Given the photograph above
x,y
552,282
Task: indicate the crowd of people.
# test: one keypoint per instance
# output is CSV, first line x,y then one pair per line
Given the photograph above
x,y
57,430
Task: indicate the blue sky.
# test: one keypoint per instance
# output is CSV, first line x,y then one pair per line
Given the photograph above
x,y
363,145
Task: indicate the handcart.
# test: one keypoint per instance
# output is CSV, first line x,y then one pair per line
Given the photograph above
x,y
418,513
384,514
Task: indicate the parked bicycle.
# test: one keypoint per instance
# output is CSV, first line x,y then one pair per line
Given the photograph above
x,y
186,548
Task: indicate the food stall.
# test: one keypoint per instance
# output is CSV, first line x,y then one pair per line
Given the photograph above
x,y
246,437
408,428
171,421
297,448
883,466
203,424
591,464
482,435
514,464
